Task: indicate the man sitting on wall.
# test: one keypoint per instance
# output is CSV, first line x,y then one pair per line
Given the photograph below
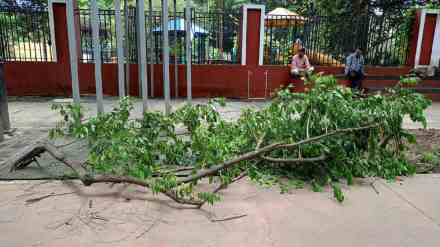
x,y
300,65
354,69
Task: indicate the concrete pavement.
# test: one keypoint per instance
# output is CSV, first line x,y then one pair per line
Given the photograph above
x,y
402,214
34,113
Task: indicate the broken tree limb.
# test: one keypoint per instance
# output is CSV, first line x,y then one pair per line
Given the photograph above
x,y
22,159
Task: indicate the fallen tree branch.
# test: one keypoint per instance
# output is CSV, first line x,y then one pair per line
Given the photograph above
x,y
26,156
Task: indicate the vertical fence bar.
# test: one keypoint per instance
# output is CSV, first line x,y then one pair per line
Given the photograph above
x,y
142,53
166,56
127,48
71,33
151,43
175,44
97,54
3,40
4,111
188,33
120,48
3,102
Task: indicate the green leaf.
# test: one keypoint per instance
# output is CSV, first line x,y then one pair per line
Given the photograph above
x,y
337,193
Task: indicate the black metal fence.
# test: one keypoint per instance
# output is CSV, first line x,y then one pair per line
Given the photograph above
x,y
328,40
214,36
25,35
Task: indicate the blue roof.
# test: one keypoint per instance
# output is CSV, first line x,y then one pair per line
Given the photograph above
x,y
179,25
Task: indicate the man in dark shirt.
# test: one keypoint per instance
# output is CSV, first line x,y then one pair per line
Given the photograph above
x,y
354,69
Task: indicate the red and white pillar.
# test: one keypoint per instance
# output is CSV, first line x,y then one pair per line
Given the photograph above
x,y
428,41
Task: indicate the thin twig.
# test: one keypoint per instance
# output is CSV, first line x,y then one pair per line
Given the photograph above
x,y
295,161
37,199
374,186
224,186
148,229
228,218
68,144
335,132
260,141
308,126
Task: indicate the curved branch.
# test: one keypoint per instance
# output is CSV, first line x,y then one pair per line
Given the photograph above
x,y
215,169
384,142
88,180
296,161
257,153
335,132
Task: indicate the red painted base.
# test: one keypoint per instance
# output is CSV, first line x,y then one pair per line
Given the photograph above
x,y
232,81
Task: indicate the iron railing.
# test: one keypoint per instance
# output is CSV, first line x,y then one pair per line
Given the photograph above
x,y
25,35
214,36
328,40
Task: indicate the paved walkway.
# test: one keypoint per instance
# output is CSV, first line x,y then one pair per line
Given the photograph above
x,y
402,214
31,113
